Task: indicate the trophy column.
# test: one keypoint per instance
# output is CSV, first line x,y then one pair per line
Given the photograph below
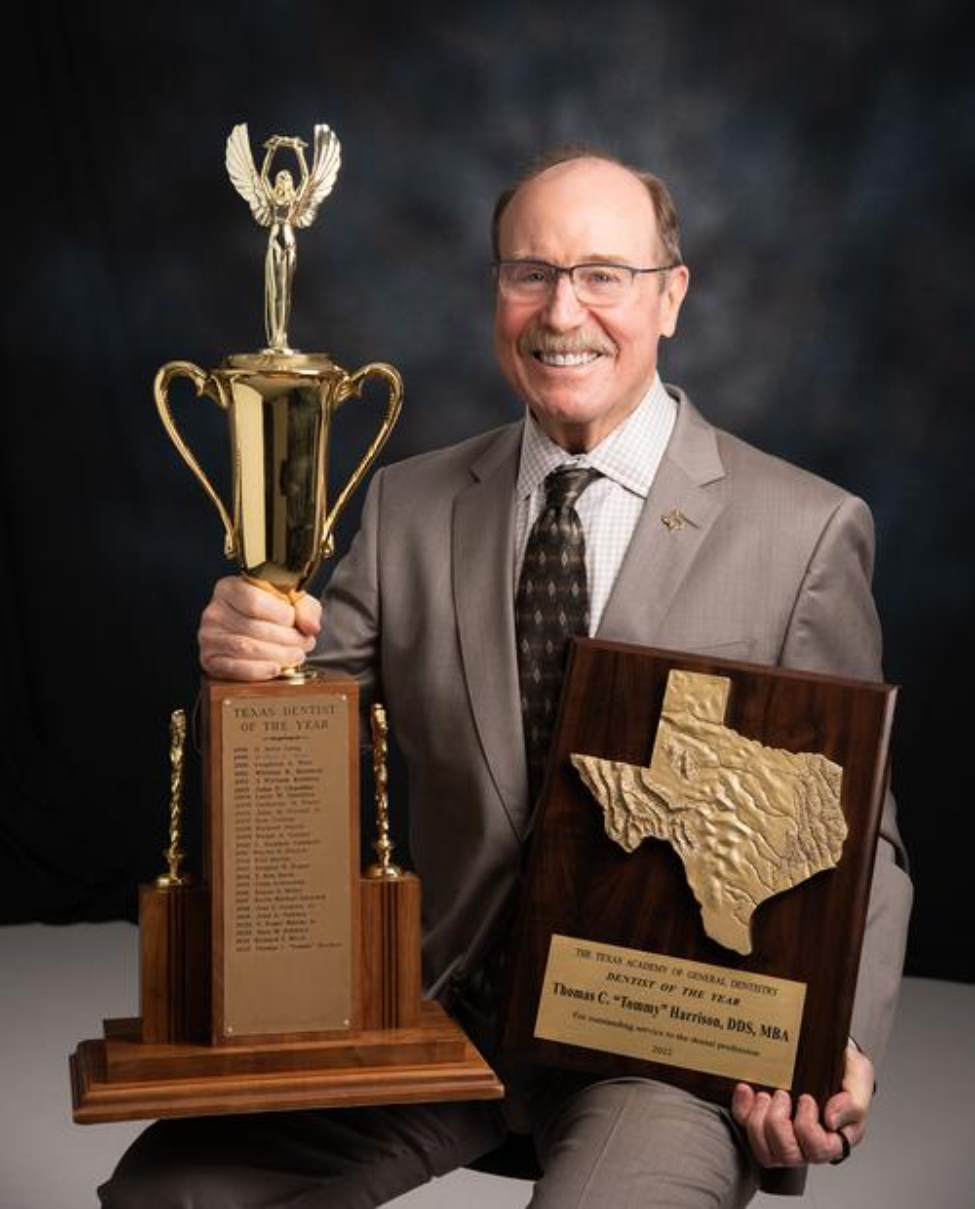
x,y
390,915
174,929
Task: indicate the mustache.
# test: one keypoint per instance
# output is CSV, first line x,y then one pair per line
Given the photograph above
x,y
539,339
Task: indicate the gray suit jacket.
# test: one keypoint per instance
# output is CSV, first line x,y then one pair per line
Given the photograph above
x,y
773,566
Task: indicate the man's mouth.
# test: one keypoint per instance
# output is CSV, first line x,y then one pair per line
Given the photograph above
x,y
564,360
564,350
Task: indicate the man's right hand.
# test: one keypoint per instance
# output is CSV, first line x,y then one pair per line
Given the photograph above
x,y
247,633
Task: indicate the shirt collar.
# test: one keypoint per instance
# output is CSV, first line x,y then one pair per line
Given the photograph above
x,y
629,456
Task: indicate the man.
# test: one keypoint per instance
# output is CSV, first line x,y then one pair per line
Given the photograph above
x,y
768,563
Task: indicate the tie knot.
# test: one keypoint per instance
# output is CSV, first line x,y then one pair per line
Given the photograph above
x,y
564,485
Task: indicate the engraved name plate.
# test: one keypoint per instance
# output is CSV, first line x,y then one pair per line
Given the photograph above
x,y
686,1014
285,953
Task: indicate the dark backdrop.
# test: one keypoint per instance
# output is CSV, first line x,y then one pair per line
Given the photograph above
x,y
821,156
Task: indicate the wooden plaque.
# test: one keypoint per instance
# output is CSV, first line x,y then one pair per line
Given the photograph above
x,y
614,971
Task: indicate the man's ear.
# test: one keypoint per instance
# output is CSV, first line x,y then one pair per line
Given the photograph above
x,y
675,290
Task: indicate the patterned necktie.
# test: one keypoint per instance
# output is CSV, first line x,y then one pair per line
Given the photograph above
x,y
552,604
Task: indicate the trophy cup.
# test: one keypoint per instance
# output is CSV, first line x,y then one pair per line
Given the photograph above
x,y
280,403
286,979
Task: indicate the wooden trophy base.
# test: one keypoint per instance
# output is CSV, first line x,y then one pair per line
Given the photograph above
x,y
284,980
123,1078
164,1064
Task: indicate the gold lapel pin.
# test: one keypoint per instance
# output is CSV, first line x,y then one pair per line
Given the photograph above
x,y
674,519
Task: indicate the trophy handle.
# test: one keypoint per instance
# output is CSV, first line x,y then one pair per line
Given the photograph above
x,y
204,385
352,387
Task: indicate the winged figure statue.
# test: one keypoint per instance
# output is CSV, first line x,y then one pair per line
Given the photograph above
x,y
282,206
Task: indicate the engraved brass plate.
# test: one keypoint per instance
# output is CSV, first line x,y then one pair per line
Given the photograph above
x,y
680,1013
287,921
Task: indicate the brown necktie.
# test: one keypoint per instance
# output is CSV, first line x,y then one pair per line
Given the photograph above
x,y
552,604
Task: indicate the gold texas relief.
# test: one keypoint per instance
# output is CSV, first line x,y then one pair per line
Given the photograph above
x,y
748,821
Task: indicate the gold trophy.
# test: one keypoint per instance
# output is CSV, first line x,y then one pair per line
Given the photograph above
x,y
280,403
284,978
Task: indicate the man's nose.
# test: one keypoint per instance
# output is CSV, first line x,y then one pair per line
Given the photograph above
x,y
563,309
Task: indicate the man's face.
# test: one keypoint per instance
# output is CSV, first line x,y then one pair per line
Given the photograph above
x,y
582,211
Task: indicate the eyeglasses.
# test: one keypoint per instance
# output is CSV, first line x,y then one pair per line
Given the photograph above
x,y
594,284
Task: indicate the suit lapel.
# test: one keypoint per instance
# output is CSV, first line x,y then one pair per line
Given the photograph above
x,y
655,566
662,551
483,561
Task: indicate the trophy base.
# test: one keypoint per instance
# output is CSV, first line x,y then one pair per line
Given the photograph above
x,y
121,1078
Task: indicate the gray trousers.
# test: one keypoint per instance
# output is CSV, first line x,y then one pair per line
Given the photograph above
x,y
602,1145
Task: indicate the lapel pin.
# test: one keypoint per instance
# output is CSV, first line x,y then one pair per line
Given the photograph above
x,y
674,519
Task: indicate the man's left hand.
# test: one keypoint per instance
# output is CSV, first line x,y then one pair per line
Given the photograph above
x,y
780,1139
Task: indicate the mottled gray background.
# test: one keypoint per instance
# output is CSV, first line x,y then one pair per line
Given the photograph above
x,y
821,155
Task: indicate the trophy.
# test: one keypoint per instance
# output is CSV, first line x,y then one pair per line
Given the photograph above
x,y
284,979
280,403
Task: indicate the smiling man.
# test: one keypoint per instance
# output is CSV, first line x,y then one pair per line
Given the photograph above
x,y
662,531
585,292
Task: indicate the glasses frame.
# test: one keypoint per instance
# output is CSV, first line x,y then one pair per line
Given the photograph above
x,y
570,271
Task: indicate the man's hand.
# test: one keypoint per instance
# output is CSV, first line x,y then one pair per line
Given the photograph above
x,y
778,1139
249,634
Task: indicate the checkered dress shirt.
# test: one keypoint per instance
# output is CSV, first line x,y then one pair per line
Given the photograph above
x,y
609,509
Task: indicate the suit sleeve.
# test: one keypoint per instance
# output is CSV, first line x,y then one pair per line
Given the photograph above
x,y
350,640
834,629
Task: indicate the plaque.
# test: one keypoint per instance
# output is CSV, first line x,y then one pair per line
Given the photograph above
x,y
283,978
700,868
